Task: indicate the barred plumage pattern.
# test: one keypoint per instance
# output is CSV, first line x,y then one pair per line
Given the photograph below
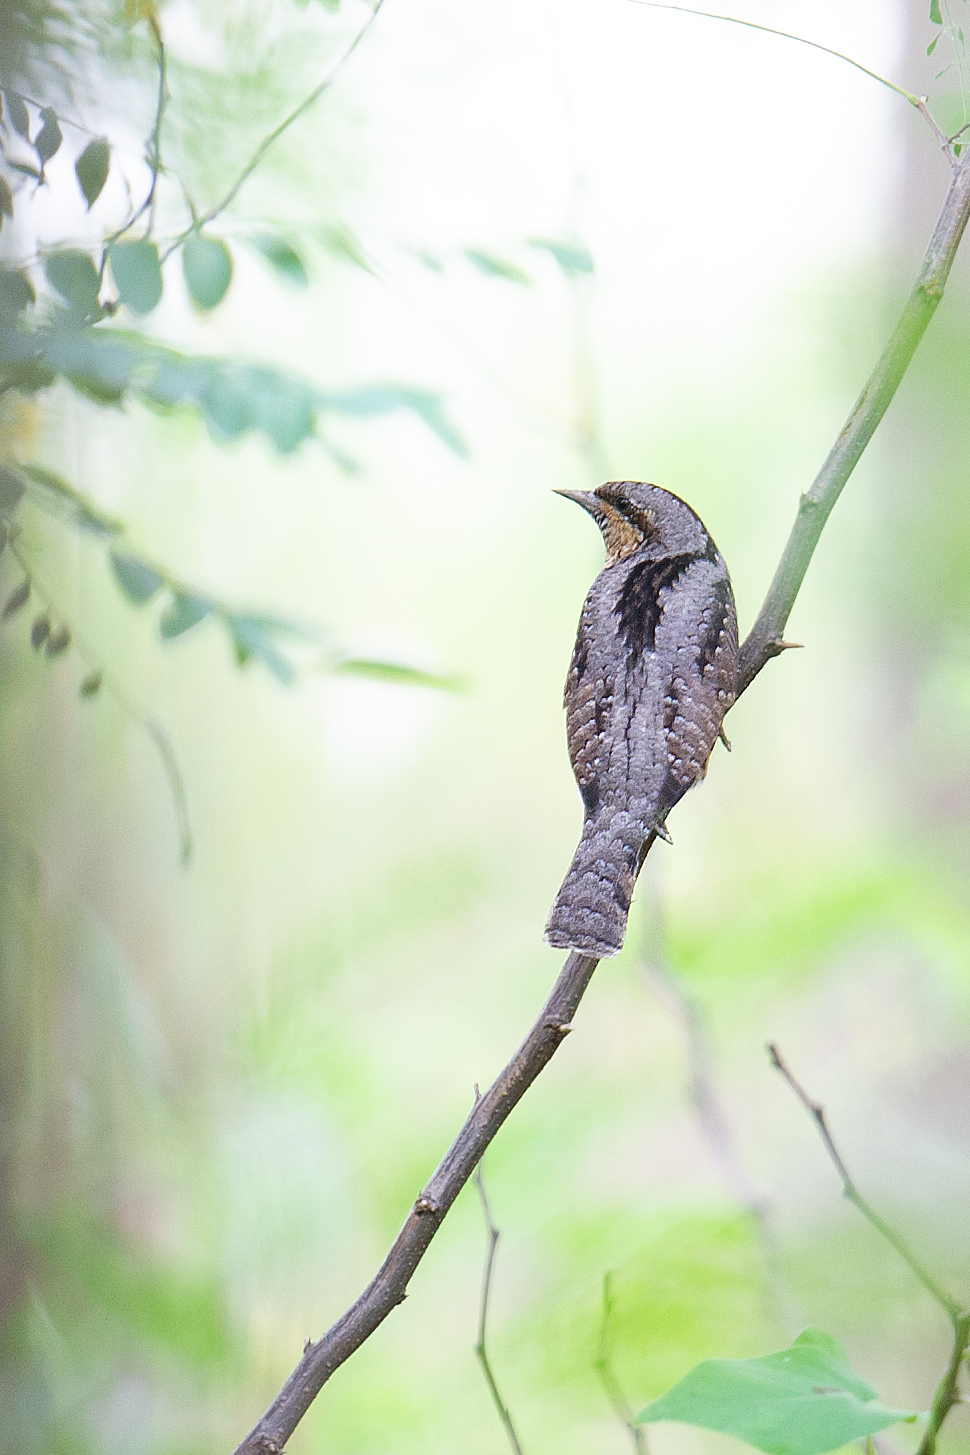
x,y
653,672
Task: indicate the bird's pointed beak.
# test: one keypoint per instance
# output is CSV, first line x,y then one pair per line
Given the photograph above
x,y
588,499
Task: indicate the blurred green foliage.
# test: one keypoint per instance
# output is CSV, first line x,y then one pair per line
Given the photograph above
x,y
220,1089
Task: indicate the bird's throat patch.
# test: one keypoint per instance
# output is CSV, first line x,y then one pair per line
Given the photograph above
x,y
621,535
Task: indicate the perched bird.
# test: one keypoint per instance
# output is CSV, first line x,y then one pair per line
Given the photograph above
x,y
653,672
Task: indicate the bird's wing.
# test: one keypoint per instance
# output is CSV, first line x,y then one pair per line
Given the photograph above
x,y
588,698
700,637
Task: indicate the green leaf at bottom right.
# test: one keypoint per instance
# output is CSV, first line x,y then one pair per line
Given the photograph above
x,y
804,1400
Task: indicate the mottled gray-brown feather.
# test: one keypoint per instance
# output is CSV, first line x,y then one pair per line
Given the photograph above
x,y
653,672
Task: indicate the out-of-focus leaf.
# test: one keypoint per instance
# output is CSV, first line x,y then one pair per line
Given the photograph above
x,y
139,581
100,363
805,1400
137,273
39,632
340,457
11,490
88,516
16,293
494,267
572,257
183,612
48,140
932,45
207,265
24,169
253,638
91,685
160,1305
58,642
17,599
248,396
935,17
19,115
340,242
282,256
92,168
6,198
4,535
75,277
376,399
395,672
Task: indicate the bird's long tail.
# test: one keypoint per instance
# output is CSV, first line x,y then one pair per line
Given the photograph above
x,y
591,908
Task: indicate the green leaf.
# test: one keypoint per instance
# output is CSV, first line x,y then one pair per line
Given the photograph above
x,y
48,140
395,672
19,115
17,599
252,637
207,265
137,274
39,632
494,267
92,683
248,396
572,257
139,581
75,277
282,256
341,243
376,399
100,364
183,612
6,198
932,45
935,17
802,1401
58,642
91,168
16,293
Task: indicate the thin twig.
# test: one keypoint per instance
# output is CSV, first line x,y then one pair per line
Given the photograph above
x,y
603,1365
140,719
481,1349
716,1128
947,1392
788,35
273,137
765,640
852,1194
155,143
153,148
388,1288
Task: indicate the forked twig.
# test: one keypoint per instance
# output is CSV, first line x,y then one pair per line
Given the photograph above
x,y
481,1348
947,1392
603,1365
389,1285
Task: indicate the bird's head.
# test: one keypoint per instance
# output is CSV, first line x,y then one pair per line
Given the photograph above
x,y
636,517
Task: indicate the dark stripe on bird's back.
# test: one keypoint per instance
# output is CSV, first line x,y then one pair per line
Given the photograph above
x,y
639,605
